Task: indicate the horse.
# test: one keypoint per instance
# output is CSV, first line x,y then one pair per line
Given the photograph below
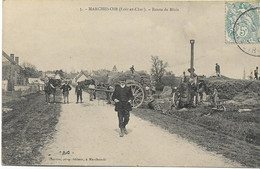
x,y
89,84
50,88
84,84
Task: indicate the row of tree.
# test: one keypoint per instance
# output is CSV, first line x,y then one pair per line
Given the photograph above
x,y
159,73
30,71
159,76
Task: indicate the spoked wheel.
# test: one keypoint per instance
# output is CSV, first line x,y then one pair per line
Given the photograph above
x,y
138,94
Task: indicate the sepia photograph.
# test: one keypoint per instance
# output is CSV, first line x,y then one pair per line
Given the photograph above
x,y
128,83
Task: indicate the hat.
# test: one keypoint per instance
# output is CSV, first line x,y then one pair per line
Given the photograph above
x,y
122,79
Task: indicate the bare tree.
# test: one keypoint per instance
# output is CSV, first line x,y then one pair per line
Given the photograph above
x,y
158,68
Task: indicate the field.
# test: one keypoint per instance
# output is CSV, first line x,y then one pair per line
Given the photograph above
x,y
233,141
26,128
234,133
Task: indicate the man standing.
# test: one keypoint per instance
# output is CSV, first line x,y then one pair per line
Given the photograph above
x,y
217,67
66,88
132,69
92,92
256,73
108,94
122,97
78,92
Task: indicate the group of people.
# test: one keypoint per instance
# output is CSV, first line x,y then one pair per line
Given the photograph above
x,y
254,75
122,96
66,88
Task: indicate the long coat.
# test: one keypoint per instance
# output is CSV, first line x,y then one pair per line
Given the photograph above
x,y
124,95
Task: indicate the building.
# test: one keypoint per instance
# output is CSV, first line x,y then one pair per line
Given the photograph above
x,y
36,82
51,74
12,72
82,76
32,81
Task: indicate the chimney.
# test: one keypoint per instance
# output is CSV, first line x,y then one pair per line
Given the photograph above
x,y
12,56
17,60
192,58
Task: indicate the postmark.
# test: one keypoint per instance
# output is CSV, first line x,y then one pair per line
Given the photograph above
x,y
240,31
242,22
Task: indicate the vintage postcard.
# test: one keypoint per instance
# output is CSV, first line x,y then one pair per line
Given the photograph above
x,y
131,83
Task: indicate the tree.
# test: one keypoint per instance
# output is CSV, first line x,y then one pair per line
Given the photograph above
x,y
29,70
60,72
114,69
158,69
170,80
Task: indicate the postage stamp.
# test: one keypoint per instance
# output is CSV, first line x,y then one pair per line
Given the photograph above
x,y
242,22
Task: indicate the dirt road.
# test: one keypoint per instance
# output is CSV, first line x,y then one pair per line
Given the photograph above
x,y
88,134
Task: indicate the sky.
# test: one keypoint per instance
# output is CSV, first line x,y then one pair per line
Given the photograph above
x,y
58,35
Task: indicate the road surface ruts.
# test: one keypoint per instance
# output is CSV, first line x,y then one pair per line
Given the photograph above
x,y
87,134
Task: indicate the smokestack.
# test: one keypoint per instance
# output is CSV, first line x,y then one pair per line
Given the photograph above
x,y
12,56
17,60
192,58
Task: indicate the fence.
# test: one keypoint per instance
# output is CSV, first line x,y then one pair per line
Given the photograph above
x,y
20,91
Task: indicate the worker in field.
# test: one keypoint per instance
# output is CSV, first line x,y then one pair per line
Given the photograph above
x,y
65,90
122,97
217,67
184,77
215,97
153,89
78,92
256,73
132,69
251,76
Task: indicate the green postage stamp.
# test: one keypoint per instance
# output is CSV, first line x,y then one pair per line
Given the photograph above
x,y
242,22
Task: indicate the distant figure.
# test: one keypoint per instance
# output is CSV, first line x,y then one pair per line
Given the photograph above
x,y
256,73
142,81
132,69
215,97
92,92
251,76
78,92
153,89
108,94
48,89
66,88
217,67
184,77
202,91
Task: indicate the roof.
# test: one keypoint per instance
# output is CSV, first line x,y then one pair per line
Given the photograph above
x,y
72,75
82,73
10,59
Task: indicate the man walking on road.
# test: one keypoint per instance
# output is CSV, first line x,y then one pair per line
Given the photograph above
x,y
122,97
78,92
66,88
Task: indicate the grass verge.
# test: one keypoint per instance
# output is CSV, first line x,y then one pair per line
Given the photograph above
x,y
26,128
216,132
